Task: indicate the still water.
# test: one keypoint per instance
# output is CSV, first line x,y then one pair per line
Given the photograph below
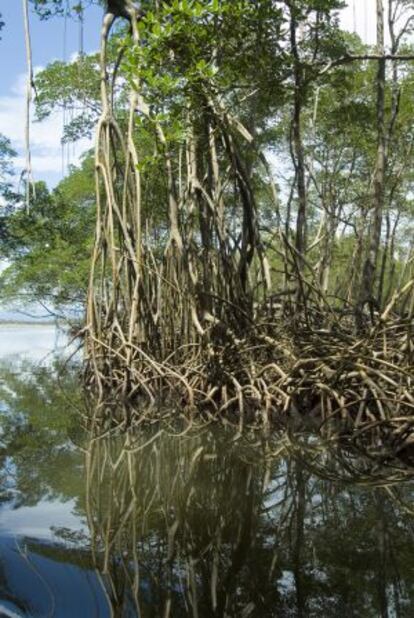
x,y
206,523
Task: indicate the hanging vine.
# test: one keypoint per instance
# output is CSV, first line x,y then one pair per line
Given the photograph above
x,y
28,172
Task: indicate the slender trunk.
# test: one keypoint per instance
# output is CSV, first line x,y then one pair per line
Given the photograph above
x,y
391,259
395,104
367,290
298,149
354,279
327,245
205,222
384,261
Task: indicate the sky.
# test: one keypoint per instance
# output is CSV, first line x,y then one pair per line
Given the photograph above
x,y
48,44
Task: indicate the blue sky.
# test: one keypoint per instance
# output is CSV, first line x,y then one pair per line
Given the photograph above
x,y
48,45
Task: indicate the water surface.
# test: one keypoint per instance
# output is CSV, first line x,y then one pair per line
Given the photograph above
x,y
206,523
31,341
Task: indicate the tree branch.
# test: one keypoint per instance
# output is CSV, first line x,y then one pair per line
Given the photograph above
x,y
363,57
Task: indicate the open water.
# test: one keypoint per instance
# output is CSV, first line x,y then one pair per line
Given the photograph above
x,y
200,522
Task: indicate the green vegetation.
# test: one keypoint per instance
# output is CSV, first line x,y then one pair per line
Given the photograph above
x,y
252,206
49,247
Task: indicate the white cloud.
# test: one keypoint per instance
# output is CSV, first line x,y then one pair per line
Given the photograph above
x,y
45,136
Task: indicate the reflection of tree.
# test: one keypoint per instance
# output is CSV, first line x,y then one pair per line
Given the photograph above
x,y
37,423
178,513
194,527
205,524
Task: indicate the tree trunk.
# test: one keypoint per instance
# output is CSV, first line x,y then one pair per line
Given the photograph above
x,y
298,149
367,289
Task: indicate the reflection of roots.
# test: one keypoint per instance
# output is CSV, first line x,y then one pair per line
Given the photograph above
x,y
146,493
177,523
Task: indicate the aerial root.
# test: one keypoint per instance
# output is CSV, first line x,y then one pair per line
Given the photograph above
x,y
338,382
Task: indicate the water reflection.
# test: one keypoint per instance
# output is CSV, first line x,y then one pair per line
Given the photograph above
x,y
193,527
28,341
201,524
